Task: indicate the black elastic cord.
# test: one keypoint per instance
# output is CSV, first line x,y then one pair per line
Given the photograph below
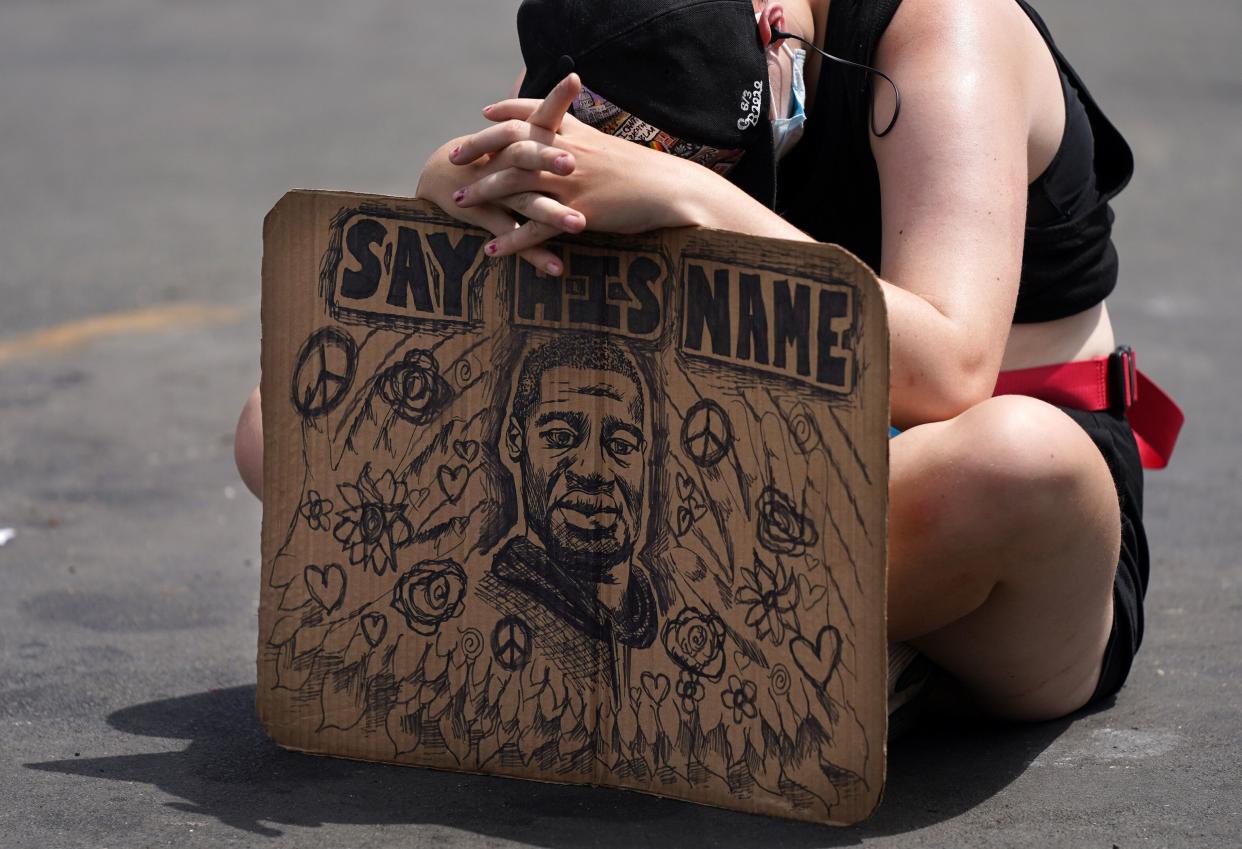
x,y
778,35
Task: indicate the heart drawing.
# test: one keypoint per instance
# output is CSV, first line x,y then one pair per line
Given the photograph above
x,y
818,661
655,685
685,486
326,585
466,449
374,628
813,594
453,480
685,520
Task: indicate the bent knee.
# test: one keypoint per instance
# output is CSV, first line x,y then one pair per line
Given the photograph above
x,y
1023,450
248,444
1018,466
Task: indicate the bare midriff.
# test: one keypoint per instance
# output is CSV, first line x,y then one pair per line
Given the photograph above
x,y
1084,336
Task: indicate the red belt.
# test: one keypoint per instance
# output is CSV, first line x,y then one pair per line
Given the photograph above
x,y
1106,383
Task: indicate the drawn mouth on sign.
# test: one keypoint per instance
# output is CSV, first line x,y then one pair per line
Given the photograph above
x,y
598,516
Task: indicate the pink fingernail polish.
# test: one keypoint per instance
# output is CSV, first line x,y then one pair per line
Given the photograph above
x,y
487,109
456,151
553,268
491,248
459,196
562,162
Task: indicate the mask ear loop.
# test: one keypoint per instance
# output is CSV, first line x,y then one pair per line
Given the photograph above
x,y
777,34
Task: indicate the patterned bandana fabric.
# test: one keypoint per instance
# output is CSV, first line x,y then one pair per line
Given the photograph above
x,y
590,108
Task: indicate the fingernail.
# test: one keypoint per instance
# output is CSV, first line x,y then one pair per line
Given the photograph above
x,y
459,196
488,108
456,151
561,163
491,248
553,268
571,222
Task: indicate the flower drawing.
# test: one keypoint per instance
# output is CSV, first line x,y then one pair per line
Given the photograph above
x,y
695,642
783,529
430,594
413,388
771,596
740,697
317,511
373,525
690,690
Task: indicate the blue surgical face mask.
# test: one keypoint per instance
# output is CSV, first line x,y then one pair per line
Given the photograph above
x,y
787,129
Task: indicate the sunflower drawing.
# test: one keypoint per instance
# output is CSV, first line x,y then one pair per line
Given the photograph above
x,y
373,526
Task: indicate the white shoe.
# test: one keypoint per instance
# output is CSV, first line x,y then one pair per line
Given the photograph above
x,y
908,673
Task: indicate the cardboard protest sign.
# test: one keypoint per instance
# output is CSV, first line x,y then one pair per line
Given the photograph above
x,y
623,528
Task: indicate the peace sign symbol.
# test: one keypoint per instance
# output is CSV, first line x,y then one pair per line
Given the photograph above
x,y
324,372
511,643
707,433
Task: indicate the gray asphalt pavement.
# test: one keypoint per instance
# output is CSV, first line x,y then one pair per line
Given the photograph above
x,y
141,143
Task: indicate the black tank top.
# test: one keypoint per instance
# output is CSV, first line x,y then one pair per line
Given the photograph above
x,y
829,186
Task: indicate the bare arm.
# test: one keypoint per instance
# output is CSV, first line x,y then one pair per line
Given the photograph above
x,y
953,180
953,177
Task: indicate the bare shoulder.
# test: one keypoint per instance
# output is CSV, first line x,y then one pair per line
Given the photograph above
x,y
972,54
959,34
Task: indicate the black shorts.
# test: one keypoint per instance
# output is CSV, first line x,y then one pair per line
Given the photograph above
x,y
1111,434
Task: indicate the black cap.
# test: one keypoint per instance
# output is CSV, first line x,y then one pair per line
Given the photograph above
x,y
691,68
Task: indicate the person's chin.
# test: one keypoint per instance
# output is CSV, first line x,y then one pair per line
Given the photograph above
x,y
589,543
589,539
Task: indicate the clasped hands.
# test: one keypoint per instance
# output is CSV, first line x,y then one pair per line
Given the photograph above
x,y
556,173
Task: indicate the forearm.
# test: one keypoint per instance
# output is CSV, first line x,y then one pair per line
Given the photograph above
x,y
701,198
935,370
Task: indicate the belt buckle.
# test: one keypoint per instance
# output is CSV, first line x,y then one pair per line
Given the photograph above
x,y
1122,378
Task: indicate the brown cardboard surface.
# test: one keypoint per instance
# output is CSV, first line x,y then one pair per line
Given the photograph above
x,y
625,528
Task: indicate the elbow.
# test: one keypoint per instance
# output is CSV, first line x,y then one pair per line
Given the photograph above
x,y
944,393
969,392
971,383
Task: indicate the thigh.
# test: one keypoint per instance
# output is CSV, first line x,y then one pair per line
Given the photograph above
x,y
1004,533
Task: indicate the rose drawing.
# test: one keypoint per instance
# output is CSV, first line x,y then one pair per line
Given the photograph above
x,y
771,596
413,388
695,642
430,594
783,529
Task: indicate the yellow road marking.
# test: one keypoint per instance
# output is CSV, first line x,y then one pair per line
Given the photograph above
x,y
74,334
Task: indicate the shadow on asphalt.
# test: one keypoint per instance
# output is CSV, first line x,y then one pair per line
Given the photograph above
x,y
232,772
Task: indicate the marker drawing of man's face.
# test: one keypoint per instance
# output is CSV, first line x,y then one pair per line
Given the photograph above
x,y
576,434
